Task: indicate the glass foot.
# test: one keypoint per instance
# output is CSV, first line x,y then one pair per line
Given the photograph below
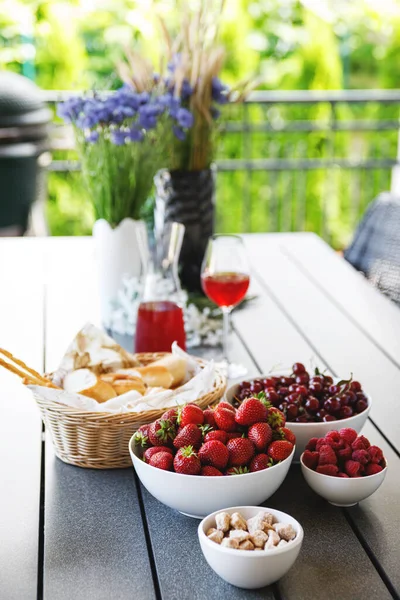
x,y
231,370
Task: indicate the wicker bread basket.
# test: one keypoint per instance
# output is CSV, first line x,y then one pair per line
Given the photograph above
x,y
99,440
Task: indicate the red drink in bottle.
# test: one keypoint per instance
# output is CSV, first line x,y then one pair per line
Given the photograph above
x,y
225,289
159,324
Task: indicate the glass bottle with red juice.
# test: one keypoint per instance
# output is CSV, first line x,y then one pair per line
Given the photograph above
x,y
160,316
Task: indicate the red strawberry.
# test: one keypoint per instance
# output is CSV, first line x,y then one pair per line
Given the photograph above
x,y
327,456
233,434
312,444
187,462
214,453
344,453
219,435
328,470
209,418
251,411
372,469
310,459
261,435
280,450
226,405
241,451
375,454
260,462
162,460
154,450
361,456
225,419
141,437
284,433
161,433
170,415
352,468
190,413
360,443
209,471
190,435
237,471
275,417
348,434
344,475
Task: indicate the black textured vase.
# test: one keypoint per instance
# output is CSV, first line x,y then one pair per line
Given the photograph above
x,y
187,197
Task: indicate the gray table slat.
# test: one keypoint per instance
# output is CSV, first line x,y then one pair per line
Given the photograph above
x,y
378,517
342,345
371,310
21,332
95,544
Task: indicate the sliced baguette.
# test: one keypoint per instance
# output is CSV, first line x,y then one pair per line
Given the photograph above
x,y
156,376
124,382
83,381
175,365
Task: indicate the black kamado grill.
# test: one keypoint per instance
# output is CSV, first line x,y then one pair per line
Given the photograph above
x,y
24,122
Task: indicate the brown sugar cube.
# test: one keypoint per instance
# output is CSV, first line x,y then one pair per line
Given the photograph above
x,y
238,521
230,543
273,540
246,545
222,521
239,535
285,531
269,519
255,523
215,535
259,538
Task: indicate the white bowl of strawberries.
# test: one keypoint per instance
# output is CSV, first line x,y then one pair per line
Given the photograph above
x,y
312,404
199,461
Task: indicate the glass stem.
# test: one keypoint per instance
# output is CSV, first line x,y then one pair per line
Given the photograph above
x,y
226,321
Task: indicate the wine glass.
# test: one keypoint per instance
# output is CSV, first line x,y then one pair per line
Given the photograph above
x,y
225,280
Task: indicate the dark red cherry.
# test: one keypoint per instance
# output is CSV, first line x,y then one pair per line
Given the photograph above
x,y
269,382
361,405
256,387
302,379
298,368
292,411
273,397
329,418
283,391
355,386
245,384
315,387
301,389
332,405
334,389
328,380
345,412
312,404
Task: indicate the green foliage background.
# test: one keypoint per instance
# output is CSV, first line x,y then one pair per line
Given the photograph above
x,y
292,44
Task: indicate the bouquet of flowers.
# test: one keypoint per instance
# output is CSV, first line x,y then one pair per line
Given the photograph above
x,y
120,142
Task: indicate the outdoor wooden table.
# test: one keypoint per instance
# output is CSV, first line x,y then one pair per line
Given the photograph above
x,y
70,533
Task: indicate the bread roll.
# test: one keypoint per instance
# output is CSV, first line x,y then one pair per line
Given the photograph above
x,y
124,382
156,376
175,365
83,381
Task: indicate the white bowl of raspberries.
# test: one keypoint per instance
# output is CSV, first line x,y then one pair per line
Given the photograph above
x,y
312,404
199,461
343,467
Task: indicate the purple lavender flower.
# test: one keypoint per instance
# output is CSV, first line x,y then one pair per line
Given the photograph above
x,y
92,137
184,118
70,109
118,137
179,133
186,90
135,135
219,91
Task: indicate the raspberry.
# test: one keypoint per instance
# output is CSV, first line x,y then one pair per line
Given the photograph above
x,y
328,470
360,443
340,474
310,459
372,469
375,454
352,468
348,434
320,442
360,456
344,453
312,444
327,456
332,436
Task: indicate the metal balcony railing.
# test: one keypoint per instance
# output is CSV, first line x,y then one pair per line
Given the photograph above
x,y
297,161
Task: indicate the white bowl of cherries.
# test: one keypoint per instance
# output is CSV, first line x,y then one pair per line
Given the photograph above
x,y
312,404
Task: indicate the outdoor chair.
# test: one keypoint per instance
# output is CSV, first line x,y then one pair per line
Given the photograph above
x,y
375,249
